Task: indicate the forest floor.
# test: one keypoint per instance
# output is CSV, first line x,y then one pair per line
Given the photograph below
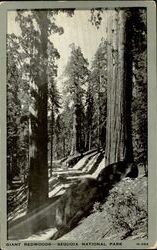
x,y
126,204
62,177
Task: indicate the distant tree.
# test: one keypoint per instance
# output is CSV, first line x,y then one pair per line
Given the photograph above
x,y
17,112
60,137
13,119
138,22
98,82
54,106
77,72
89,115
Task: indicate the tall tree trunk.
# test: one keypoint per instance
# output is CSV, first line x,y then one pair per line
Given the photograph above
x,y
116,122
51,155
9,170
38,128
75,147
51,141
81,123
88,137
128,57
99,84
33,161
64,146
89,119
75,135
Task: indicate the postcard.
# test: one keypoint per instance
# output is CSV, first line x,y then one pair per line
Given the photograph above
x,y
78,125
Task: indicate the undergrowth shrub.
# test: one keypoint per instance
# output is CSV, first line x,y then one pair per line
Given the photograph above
x,y
97,207
122,208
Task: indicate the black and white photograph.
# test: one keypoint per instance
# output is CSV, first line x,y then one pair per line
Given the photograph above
x,y
77,166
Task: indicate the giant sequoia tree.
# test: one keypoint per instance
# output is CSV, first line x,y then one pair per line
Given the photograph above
x,y
36,26
116,112
39,134
121,28
126,133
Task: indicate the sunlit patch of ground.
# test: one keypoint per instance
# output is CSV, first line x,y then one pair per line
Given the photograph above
x,y
42,235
